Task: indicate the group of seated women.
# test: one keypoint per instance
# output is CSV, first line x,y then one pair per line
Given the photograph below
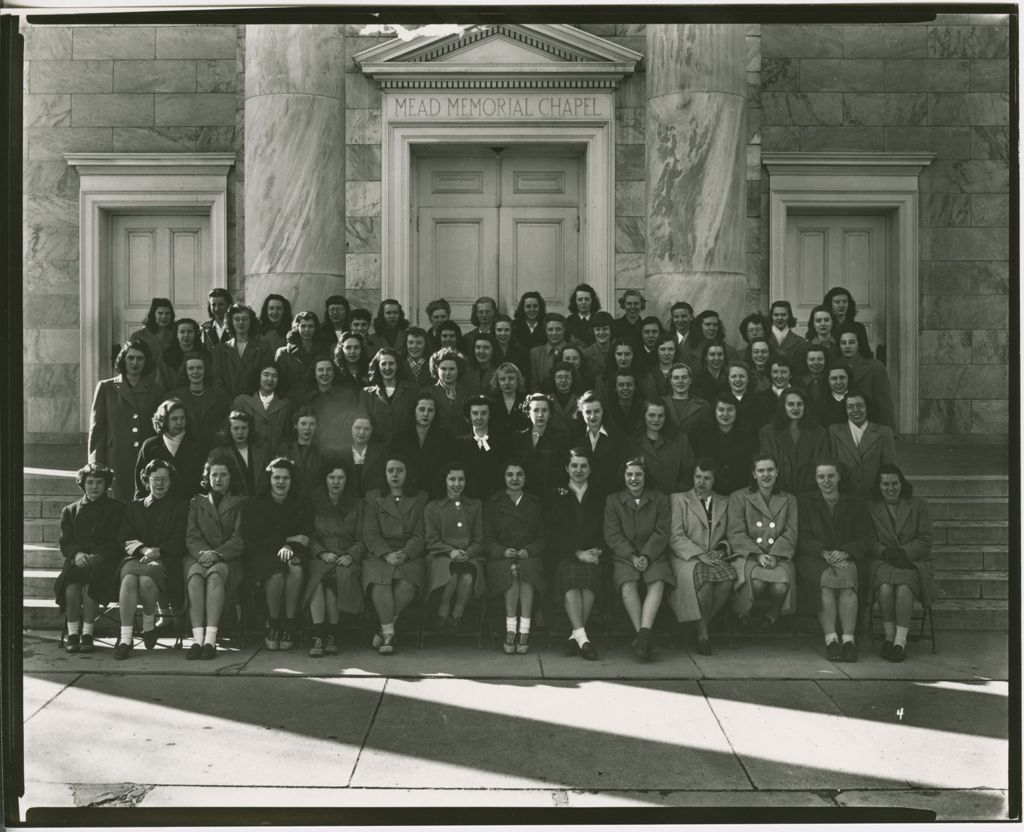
x,y
450,465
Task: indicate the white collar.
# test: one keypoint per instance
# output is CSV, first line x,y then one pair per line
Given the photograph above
x,y
266,400
780,334
579,492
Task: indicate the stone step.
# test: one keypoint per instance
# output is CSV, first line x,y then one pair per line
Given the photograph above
x,y
951,485
962,556
42,530
47,508
971,614
38,583
53,484
969,508
982,584
971,531
42,556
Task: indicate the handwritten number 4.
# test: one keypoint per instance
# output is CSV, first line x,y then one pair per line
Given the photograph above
x,y
899,714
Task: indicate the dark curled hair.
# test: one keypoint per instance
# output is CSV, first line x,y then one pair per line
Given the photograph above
x,y
282,326
133,344
595,301
154,304
907,490
163,412
93,469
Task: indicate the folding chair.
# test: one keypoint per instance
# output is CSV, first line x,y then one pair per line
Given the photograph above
x,y
920,613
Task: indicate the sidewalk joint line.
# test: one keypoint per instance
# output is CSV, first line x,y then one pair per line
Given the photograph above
x,y
366,736
50,700
725,734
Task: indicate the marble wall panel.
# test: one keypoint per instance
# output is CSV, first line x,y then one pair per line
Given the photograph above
x,y
780,74
753,234
753,162
629,270
985,381
885,108
112,110
294,209
630,234
222,139
945,142
50,178
361,92
54,380
975,108
822,75
154,139
45,240
52,277
362,162
939,277
284,59
50,210
196,41
964,312
216,76
949,346
107,42
990,416
810,108
47,43
989,19
990,76
629,161
990,210
154,76
941,381
362,199
969,243
753,54
181,109
47,110
968,41
754,199
52,414
945,209
752,119
990,278
944,416
629,125
927,76
966,176
70,76
632,91
362,126
362,234
885,41
990,346
990,143
842,138
306,290
363,298
50,311
51,346
801,41
638,43
752,89
629,199
362,271
775,138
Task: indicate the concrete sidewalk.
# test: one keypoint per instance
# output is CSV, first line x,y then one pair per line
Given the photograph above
x,y
769,724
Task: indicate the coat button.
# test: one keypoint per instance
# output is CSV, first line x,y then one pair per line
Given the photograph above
x,y
135,444
135,430
771,525
459,524
771,540
758,540
759,524
135,416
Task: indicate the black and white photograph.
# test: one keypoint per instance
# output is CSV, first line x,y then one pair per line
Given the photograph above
x,y
593,410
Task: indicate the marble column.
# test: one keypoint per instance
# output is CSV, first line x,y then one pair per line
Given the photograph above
x,y
696,157
294,164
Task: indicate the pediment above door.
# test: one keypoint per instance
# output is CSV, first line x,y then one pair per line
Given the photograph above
x,y
500,56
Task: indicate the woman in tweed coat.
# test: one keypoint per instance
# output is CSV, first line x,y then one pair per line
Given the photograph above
x,y
637,522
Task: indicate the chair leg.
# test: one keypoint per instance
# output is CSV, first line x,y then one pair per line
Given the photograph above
x,y
931,624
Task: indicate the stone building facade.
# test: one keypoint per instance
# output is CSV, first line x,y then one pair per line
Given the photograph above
x,y
711,164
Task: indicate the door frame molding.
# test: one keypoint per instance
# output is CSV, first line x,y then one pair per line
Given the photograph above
x,y
884,183
144,182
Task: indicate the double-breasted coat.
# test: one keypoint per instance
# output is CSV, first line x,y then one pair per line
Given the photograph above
x,y
757,527
393,524
454,524
638,527
847,527
511,526
240,373
911,531
861,462
120,421
337,528
93,527
692,535
218,528
271,425
160,523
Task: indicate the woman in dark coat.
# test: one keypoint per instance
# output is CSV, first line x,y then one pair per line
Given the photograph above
x,y
393,569
515,541
528,321
238,359
481,450
206,401
271,414
507,391
576,547
868,375
637,524
365,454
90,541
121,417
795,441
304,451
212,564
390,394
666,452
449,390
250,459
333,404
426,446
275,320
336,550
276,527
158,333
170,366
541,448
175,443
154,545
689,412
843,307
730,446
295,359
831,559
712,378
609,450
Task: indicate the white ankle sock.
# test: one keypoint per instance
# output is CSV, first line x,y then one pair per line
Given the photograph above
x,y
88,627
524,626
388,629
847,639
889,628
580,636
197,635
126,634
148,622
901,636
510,624
74,627
830,637
211,636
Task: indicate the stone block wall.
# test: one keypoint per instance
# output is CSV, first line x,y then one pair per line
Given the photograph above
x,y
941,87
105,89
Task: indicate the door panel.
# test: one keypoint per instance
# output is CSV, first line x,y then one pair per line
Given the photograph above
x,y
471,179
539,253
535,180
838,250
158,256
457,257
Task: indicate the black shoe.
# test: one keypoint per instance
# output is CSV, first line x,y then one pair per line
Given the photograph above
x,y
122,650
571,648
194,652
850,651
886,652
833,652
641,648
588,651
149,638
87,645
897,653
316,650
704,646
72,644
523,644
208,651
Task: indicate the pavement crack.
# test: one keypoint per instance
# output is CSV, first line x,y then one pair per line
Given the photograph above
x,y
725,734
50,700
369,728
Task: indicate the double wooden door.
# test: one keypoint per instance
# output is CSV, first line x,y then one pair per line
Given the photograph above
x,y
497,224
